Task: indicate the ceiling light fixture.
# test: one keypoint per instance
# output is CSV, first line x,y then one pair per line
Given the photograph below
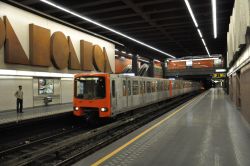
x,y
196,25
204,43
214,18
198,59
220,70
200,33
105,27
191,13
207,51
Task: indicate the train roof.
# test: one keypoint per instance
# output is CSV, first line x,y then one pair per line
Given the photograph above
x,y
91,74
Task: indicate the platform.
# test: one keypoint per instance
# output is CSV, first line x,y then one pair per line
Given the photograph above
x,y
208,130
8,117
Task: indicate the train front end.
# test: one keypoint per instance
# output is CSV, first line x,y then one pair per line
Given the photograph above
x,y
92,95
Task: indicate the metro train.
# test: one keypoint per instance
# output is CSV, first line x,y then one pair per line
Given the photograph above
x,y
105,95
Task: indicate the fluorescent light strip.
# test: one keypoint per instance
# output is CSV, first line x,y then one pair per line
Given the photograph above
x,y
142,60
105,27
207,51
156,60
196,25
191,13
204,43
220,70
200,33
214,17
34,74
14,77
201,59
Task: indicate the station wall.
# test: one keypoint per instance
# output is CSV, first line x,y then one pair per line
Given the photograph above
x,y
245,91
8,87
20,21
238,57
239,90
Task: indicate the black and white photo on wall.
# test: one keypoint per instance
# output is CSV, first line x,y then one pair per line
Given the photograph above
x,y
45,86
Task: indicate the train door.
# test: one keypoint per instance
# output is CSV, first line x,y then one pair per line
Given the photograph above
x,y
167,89
142,91
170,88
147,95
178,87
129,96
122,97
113,95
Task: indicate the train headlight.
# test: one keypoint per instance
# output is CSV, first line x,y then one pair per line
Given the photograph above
x,y
104,109
76,108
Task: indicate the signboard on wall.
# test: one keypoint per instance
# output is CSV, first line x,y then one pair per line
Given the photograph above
x,y
219,75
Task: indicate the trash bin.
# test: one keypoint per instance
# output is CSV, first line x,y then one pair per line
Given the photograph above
x,y
47,100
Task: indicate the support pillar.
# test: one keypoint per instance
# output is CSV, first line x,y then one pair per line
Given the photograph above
x,y
151,68
163,69
135,64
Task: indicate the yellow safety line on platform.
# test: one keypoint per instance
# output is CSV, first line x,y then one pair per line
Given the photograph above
x,y
100,161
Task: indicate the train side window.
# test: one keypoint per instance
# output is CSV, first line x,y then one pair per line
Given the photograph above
x,y
144,87
135,88
159,86
113,88
153,86
148,87
124,88
129,88
166,85
141,87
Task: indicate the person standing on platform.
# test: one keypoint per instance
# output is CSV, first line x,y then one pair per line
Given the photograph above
x,y
19,99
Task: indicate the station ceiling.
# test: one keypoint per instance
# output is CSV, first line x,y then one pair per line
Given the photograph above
x,y
164,24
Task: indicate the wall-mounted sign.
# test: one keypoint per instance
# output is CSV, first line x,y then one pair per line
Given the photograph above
x,y
219,75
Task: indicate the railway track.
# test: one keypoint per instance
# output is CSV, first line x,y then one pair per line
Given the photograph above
x,y
17,135
69,148
36,141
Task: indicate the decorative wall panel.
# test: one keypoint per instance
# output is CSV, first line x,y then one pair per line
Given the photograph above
x,y
107,63
99,58
59,50
39,45
73,60
14,52
2,33
86,55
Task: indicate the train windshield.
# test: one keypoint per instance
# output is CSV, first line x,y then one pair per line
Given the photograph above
x,y
90,88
